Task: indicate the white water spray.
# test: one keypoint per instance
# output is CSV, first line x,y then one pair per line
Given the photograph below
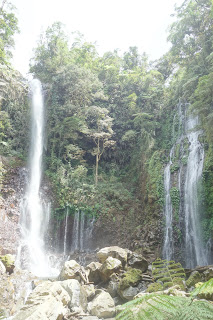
x,y
35,215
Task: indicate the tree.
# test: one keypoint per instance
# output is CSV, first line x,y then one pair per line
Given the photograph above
x,y
51,54
8,27
101,132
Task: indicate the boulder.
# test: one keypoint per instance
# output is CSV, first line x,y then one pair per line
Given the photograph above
x,y
94,272
194,278
128,293
72,270
90,291
110,266
102,306
9,262
138,261
208,274
176,291
77,293
2,268
130,279
48,301
114,252
112,287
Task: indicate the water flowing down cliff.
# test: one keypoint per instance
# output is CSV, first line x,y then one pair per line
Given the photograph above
x,y
168,248
34,212
182,185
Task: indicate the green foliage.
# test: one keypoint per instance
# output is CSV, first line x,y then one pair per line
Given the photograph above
x,y
165,272
154,287
174,167
207,194
155,185
8,27
14,109
162,307
2,171
204,291
175,199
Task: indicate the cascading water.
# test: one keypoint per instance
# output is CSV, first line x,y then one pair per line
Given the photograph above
x,y
82,229
75,237
34,213
65,232
168,249
194,248
183,175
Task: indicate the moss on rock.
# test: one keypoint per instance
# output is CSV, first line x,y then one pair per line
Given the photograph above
x,y
131,278
9,262
179,281
154,287
194,278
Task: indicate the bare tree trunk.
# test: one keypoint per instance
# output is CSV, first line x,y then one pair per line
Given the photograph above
x,y
97,161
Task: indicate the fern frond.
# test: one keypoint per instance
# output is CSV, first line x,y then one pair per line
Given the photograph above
x,y
163,307
205,291
166,271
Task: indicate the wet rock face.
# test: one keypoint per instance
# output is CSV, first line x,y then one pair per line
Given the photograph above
x,y
11,193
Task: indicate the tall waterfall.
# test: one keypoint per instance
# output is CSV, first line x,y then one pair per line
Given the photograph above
x,y
34,213
183,175
168,249
194,249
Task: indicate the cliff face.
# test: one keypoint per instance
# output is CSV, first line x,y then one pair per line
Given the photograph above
x,y
10,197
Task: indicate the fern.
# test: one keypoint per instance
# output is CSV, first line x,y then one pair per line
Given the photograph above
x,y
165,271
205,291
163,307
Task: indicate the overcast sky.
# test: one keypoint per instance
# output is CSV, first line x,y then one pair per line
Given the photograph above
x,y
112,24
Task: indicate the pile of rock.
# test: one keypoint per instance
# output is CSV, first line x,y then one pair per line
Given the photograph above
x,y
94,292
89,293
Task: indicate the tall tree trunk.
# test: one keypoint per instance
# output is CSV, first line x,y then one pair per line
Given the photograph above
x,y
97,161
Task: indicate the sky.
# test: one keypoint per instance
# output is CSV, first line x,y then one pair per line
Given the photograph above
x,y
112,24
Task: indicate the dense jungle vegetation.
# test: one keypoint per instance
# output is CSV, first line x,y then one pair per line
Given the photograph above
x,y
109,118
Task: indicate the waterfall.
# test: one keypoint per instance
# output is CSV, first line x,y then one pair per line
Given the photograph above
x,y
168,249
75,234
194,247
82,231
183,173
65,231
34,213
81,234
